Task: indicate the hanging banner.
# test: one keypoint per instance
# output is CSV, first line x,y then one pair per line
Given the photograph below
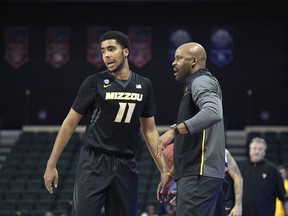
x,y
141,52
57,46
221,46
94,55
177,37
16,46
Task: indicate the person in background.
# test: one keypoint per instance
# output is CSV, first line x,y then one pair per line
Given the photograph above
x,y
279,207
48,213
149,210
117,101
199,139
262,182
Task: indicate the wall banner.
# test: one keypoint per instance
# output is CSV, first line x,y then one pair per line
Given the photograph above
x,y
141,52
57,46
94,55
221,46
177,37
16,46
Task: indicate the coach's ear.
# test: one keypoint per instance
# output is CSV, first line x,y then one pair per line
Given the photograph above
x,y
194,60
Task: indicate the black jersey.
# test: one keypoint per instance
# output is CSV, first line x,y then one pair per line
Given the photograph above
x,y
114,107
262,183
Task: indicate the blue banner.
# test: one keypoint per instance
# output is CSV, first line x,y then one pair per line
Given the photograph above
x,y
221,46
177,37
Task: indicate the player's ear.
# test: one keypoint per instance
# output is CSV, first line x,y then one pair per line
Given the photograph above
x,y
126,52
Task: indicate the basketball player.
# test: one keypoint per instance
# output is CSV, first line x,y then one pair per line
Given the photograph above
x,y
118,101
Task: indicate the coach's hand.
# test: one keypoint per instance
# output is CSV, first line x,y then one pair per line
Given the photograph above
x,y
164,141
50,177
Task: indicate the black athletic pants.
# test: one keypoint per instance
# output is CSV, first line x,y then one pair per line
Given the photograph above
x,y
197,195
104,179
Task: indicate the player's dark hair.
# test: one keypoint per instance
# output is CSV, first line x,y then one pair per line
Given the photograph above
x,y
120,37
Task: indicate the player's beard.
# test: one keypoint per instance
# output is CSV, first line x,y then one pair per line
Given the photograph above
x,y
119,67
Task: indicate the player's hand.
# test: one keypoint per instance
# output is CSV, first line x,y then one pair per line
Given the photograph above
x,y
236,211
50,177
173,201
164,188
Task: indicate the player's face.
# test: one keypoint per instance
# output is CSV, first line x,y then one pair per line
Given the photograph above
x,y
181,65
113,55
257,151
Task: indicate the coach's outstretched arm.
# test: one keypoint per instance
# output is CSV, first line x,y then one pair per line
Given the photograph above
x,y
67,128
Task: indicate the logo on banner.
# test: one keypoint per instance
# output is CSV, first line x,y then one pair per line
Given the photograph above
x,y
178,37
94,55
57,46
140,38
16,46
221,46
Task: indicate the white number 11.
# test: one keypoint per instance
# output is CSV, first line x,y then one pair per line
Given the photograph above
x,y
121,112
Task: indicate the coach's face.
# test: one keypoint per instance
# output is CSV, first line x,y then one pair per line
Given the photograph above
x,y
257,152
182,64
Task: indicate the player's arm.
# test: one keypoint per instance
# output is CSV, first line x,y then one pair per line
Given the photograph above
x,y
151,136
171,172
235,174
67,128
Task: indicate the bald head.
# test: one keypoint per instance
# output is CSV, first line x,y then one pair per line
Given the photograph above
x,y
195,50
189,58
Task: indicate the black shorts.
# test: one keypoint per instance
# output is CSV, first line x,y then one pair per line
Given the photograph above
x,y
104,179
197,195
